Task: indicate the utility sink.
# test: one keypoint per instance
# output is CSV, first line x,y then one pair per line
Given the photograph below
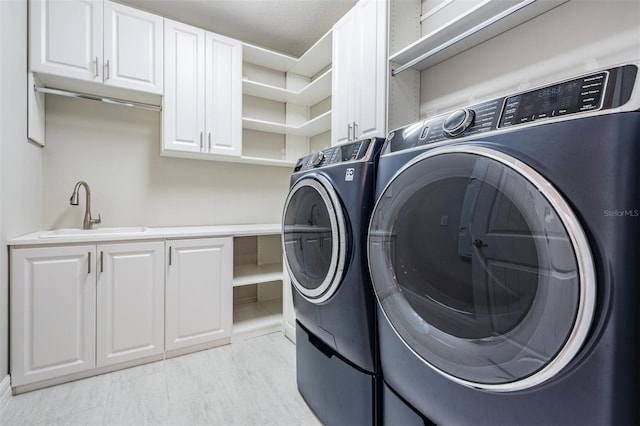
x,y
77,232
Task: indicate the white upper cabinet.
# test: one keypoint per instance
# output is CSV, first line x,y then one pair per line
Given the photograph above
x,y
133,48
223,102
359,73
66,38
183,111
203,92
98,41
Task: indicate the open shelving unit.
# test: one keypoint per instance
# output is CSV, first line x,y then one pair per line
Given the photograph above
x,y
257,286
286,102
425,33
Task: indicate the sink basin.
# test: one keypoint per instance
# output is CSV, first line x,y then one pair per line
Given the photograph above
x,y
97,232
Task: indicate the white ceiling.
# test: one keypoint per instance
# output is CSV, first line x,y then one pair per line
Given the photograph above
x,y
287,26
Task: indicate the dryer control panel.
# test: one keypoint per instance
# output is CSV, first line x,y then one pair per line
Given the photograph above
x,y
602,90
352,151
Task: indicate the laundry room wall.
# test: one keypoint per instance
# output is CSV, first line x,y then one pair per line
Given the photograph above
x,y
20,161
576,37
116,150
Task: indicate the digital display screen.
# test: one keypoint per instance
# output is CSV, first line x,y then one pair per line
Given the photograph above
x,y
562,98
580,95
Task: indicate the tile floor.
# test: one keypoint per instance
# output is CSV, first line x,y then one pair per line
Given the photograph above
x,y
252,382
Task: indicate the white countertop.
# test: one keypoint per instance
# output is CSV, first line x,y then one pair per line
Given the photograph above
x,y
161,233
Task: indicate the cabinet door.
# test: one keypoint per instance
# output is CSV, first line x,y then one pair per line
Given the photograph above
x,y
53,302
223,84
130,302
66,38
342,85
198,291
368,73
133,48
183,110
359,73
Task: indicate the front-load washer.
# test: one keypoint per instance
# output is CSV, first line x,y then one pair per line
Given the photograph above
x,y
325,222
504,250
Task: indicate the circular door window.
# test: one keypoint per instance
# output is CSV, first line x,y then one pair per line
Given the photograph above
x,y
314,238
481,268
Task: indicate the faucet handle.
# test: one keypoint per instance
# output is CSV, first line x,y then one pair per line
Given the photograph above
x,y
95,221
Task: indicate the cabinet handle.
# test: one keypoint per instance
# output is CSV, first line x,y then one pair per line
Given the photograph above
x,y
107,74
170,250
96,66
89,263
101,261
201,141
209,141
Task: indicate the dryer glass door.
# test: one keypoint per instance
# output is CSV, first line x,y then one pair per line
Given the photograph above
x,y
481,268
314,238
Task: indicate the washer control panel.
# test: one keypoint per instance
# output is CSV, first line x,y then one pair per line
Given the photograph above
x,y
337,154
605,89
569,97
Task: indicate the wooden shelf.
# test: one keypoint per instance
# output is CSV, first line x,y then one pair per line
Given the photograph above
x,y
316,58
309,64
469,29
267,58
256,274
313,127
256,318
296,84
316,91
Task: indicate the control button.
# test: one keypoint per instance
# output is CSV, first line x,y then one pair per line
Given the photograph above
x,y
457,122
317,159
424,133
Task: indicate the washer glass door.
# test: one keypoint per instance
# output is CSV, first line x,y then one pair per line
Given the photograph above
x,y
314,238
481,268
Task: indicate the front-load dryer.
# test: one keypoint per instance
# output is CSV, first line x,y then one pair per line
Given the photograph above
x,y
325,222
504,252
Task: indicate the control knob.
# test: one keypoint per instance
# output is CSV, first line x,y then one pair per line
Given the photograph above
x,y
457,122
317,159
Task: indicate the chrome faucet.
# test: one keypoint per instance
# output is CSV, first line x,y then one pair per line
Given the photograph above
x,y
88,222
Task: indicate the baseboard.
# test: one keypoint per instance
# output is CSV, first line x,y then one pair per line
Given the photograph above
x,y
5,392
289,331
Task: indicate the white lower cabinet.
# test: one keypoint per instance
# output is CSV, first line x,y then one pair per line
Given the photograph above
x,y
198,292
82,309
76,308
53,315
130,308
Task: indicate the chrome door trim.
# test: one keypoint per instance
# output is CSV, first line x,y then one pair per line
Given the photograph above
x,y
338,233
584,260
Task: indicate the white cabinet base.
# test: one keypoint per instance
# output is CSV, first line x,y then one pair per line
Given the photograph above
x,y
16,390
